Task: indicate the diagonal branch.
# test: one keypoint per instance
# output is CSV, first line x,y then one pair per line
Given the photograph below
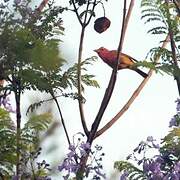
x,y
131,99
42,5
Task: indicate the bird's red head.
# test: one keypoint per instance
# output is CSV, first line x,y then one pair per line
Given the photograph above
x,y
100,50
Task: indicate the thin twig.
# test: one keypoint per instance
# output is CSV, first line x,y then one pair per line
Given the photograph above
x,y
131,99
83,25
81,107
77,14
61,116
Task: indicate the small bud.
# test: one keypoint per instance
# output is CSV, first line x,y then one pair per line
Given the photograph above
x,y
101,24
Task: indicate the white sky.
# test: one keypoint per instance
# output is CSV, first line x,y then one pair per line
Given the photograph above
x,y
151,111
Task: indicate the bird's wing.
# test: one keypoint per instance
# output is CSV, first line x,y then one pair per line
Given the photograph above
x,y
112,55
131,58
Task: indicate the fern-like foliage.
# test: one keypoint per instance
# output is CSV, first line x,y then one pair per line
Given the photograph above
x,y
155,12
133,173
163,19
69,77
162,16
33,127
171,143
7,143
30,141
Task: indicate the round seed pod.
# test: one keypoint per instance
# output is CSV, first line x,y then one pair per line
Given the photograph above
x,y
101,24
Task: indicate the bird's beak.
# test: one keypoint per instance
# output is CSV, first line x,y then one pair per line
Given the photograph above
x,y
96,50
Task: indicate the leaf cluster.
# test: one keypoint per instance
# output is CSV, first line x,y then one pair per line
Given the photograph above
x,y
164,19
70,77
157,13
30,140
7,143
133,172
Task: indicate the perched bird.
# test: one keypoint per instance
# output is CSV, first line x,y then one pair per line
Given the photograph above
x,y
125,61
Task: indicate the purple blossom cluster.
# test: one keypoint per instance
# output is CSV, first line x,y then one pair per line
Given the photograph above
x,y
165,165
156,168
175,120
77,151
160,167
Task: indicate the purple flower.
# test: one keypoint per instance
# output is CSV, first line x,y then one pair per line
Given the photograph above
x,y
159,159
69,166
70,155
17,2
156,146
124,176
178,105
98,172
85,146
146,166
174,176
154,166
177,167
173,122
72,163
72,147
150,139
15,178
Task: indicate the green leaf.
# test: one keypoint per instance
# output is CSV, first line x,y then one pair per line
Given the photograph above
x,y
133,172
38,122
5,120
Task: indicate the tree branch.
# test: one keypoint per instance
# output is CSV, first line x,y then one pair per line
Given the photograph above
x,y
76,11
173,47
81,107
83,25
17,92
61,116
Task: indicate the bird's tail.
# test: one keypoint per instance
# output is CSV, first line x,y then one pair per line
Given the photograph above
x,y
143,74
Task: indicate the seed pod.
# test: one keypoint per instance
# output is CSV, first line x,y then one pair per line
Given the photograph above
x,y
101,24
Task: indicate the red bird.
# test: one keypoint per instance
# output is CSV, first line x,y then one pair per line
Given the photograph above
x,y
125,61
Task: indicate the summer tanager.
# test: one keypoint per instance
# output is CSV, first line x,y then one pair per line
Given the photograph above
x,y
125,61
